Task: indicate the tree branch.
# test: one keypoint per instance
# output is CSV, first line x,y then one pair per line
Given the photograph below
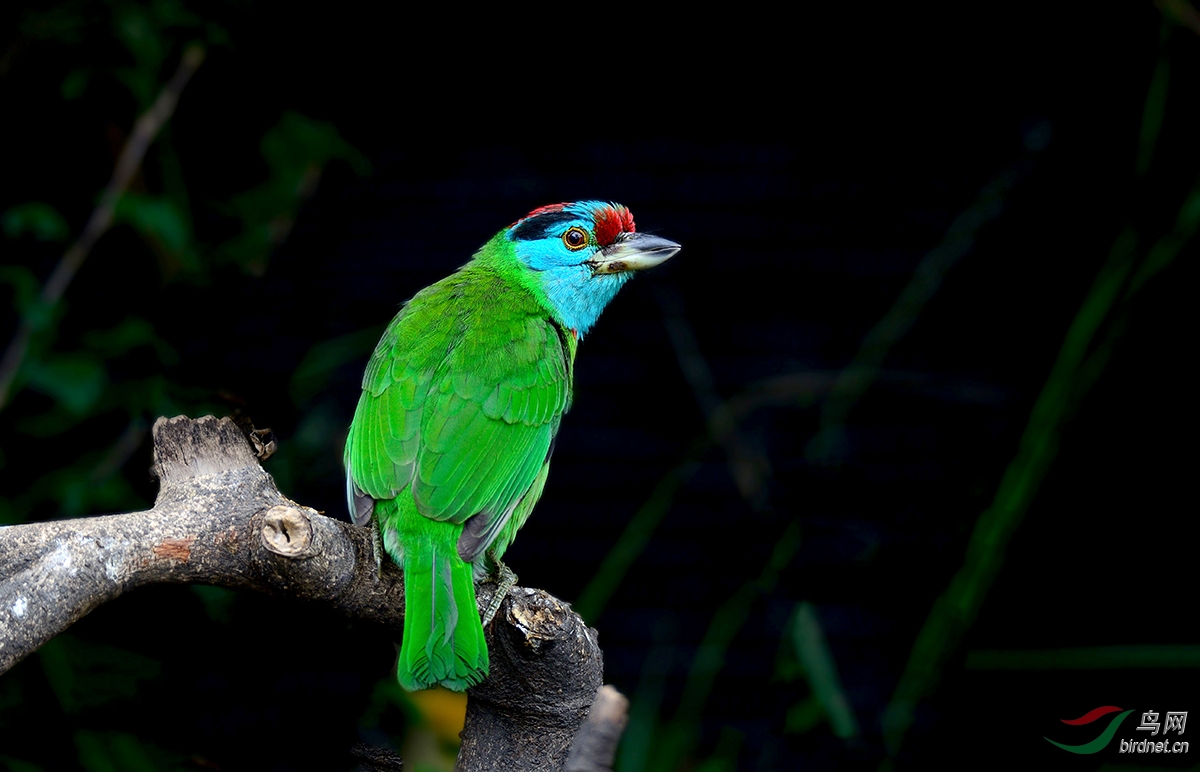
x,y
220,520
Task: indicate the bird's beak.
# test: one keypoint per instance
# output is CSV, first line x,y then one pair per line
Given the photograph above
x,y
633,252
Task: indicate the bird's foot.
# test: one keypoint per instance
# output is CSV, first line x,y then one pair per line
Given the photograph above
x,y
377,547
505,580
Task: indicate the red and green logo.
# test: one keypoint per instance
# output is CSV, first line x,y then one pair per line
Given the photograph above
x,y
1091,716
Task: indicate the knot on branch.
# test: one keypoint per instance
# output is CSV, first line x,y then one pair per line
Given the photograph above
x,y
288,531
546,670
543,645
538,616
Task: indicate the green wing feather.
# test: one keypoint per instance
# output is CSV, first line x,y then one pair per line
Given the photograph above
x,y
488,424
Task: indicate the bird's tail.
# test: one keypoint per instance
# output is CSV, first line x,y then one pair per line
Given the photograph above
x,y
443,639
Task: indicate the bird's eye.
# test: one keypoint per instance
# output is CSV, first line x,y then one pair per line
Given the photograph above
x,y
575,238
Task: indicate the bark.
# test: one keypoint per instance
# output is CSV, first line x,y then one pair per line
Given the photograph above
x,y
220,520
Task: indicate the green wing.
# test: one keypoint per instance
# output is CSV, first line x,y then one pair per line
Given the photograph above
x,y
460,403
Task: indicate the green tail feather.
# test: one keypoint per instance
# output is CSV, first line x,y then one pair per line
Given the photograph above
x,y
443,639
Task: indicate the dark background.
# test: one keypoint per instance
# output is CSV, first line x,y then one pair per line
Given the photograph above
x,y
891,217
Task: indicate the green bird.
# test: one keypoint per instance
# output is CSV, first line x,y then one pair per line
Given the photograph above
x,y
450,444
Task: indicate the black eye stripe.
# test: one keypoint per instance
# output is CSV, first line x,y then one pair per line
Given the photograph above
x,y
542,225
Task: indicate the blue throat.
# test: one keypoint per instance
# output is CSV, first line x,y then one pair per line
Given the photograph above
x,y
577,296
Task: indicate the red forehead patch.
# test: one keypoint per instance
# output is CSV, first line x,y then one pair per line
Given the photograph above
x,y
612,221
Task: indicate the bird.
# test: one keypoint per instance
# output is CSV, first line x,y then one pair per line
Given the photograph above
x,y
450,444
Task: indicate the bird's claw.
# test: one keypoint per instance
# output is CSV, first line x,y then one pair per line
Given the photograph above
x,y
505,580
377,548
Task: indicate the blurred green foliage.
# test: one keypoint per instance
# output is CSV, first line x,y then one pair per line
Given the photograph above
x,y
38,219
85,675
73,373
75,383
654,741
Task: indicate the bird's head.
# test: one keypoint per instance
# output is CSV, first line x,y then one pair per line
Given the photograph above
x,y
579,254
